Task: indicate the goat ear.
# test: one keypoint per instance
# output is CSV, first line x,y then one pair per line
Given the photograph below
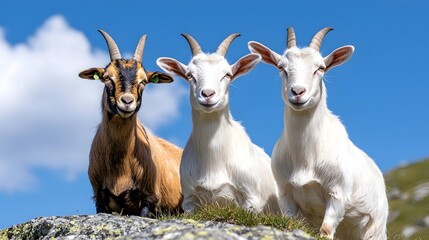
x,y
338,56
172,66
92,74
244,65
268,56
158,77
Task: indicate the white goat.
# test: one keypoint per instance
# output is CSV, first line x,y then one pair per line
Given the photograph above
x,y
220,164
321,175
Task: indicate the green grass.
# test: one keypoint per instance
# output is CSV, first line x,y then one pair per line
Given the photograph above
x,y
405,179
238,216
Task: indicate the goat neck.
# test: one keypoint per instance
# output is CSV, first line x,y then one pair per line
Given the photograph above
x,y
214,136
121,132
207,125
304,128
222,116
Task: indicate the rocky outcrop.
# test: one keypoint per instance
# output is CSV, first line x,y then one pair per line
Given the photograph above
x,y
105,226
422,224
420,192
396,194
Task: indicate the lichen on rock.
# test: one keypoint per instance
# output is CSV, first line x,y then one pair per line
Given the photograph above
x,y
107,226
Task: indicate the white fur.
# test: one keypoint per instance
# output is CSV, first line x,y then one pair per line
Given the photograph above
x,y
220,163
322,176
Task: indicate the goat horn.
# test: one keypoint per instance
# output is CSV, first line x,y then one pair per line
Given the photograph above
x,y
193,44
291,38
318,38
113,48
223,47
138,54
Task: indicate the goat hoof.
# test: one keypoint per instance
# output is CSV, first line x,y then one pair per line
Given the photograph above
x,y
327,231
145,212
251,209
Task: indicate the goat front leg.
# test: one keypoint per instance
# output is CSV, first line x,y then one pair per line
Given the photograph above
x,y
286,202
102,198
150,206
334,214
253,204
189,204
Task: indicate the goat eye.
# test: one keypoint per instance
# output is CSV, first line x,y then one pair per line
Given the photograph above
x,y
189,76
110,79
228,75
321,69
281,69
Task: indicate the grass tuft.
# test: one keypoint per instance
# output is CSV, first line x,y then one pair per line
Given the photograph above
x,y
235,215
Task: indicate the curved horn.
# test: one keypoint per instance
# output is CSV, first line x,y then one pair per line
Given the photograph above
x,y
291,38
113,48
223,47
193,44
318,38
138,54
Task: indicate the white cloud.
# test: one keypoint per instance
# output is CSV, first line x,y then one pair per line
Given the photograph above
x,y
160,103
48,115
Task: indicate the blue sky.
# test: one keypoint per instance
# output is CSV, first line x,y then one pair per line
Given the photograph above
x,y
49,116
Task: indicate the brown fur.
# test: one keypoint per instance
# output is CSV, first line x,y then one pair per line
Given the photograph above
x,y
123,157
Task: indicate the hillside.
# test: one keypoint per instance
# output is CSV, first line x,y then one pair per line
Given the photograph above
x,y
408,193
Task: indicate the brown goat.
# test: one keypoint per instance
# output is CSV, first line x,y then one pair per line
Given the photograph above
x,y
132,172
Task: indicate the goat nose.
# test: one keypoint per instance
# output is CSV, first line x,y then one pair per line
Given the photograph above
x,y
127,99
207,93
298,90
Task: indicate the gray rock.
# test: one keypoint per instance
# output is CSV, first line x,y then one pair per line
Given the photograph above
x,y
424,222
420,192
393,215
404,196
102,226
393,194
396,194
408,231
